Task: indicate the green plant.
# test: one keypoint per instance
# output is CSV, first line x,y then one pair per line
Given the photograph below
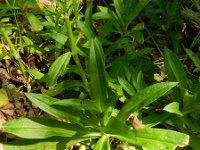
x,y
185,103
107,91
191,13
95,118
6,29
165,16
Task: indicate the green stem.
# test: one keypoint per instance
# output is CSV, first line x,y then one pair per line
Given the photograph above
x,y
16,55
14,52
158,48
75,55
75,10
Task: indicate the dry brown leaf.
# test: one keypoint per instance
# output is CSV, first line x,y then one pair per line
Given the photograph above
x,y
135,122
8,109
31,113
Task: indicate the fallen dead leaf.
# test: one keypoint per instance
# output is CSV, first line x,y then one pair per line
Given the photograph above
x,y
31,112
134,121
8,109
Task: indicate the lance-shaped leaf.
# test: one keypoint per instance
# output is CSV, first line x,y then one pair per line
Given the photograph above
x,y
159,139
45,102
194,57
58,68
149,138
145,97
59,37
54,143
174,69
127,86
31,145
97,74
103,143
36,24
139,7
39,128
65,85
173,108
86,29
154,118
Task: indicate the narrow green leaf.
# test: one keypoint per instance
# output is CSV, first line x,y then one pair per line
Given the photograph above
x,y
44,102
88,15
65,85
28,43
31,145
173,108
34,21
193,57
58,68
127,86
138,36
103,143
84,104
190,102
8,7
86,29
86,26
39,128
149,138
138,8
104,13
139,81
159,139
97,74
59,37
174,69
35,73
196,40
139,26
120,11
145,97
69,102
55,143
155,118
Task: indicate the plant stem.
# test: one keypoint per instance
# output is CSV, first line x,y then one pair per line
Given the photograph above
x,y
158,48
16,55
75,55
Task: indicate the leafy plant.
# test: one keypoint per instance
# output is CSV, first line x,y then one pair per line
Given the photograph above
x,y
165,15
191,12
95,118
185,102
99,85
